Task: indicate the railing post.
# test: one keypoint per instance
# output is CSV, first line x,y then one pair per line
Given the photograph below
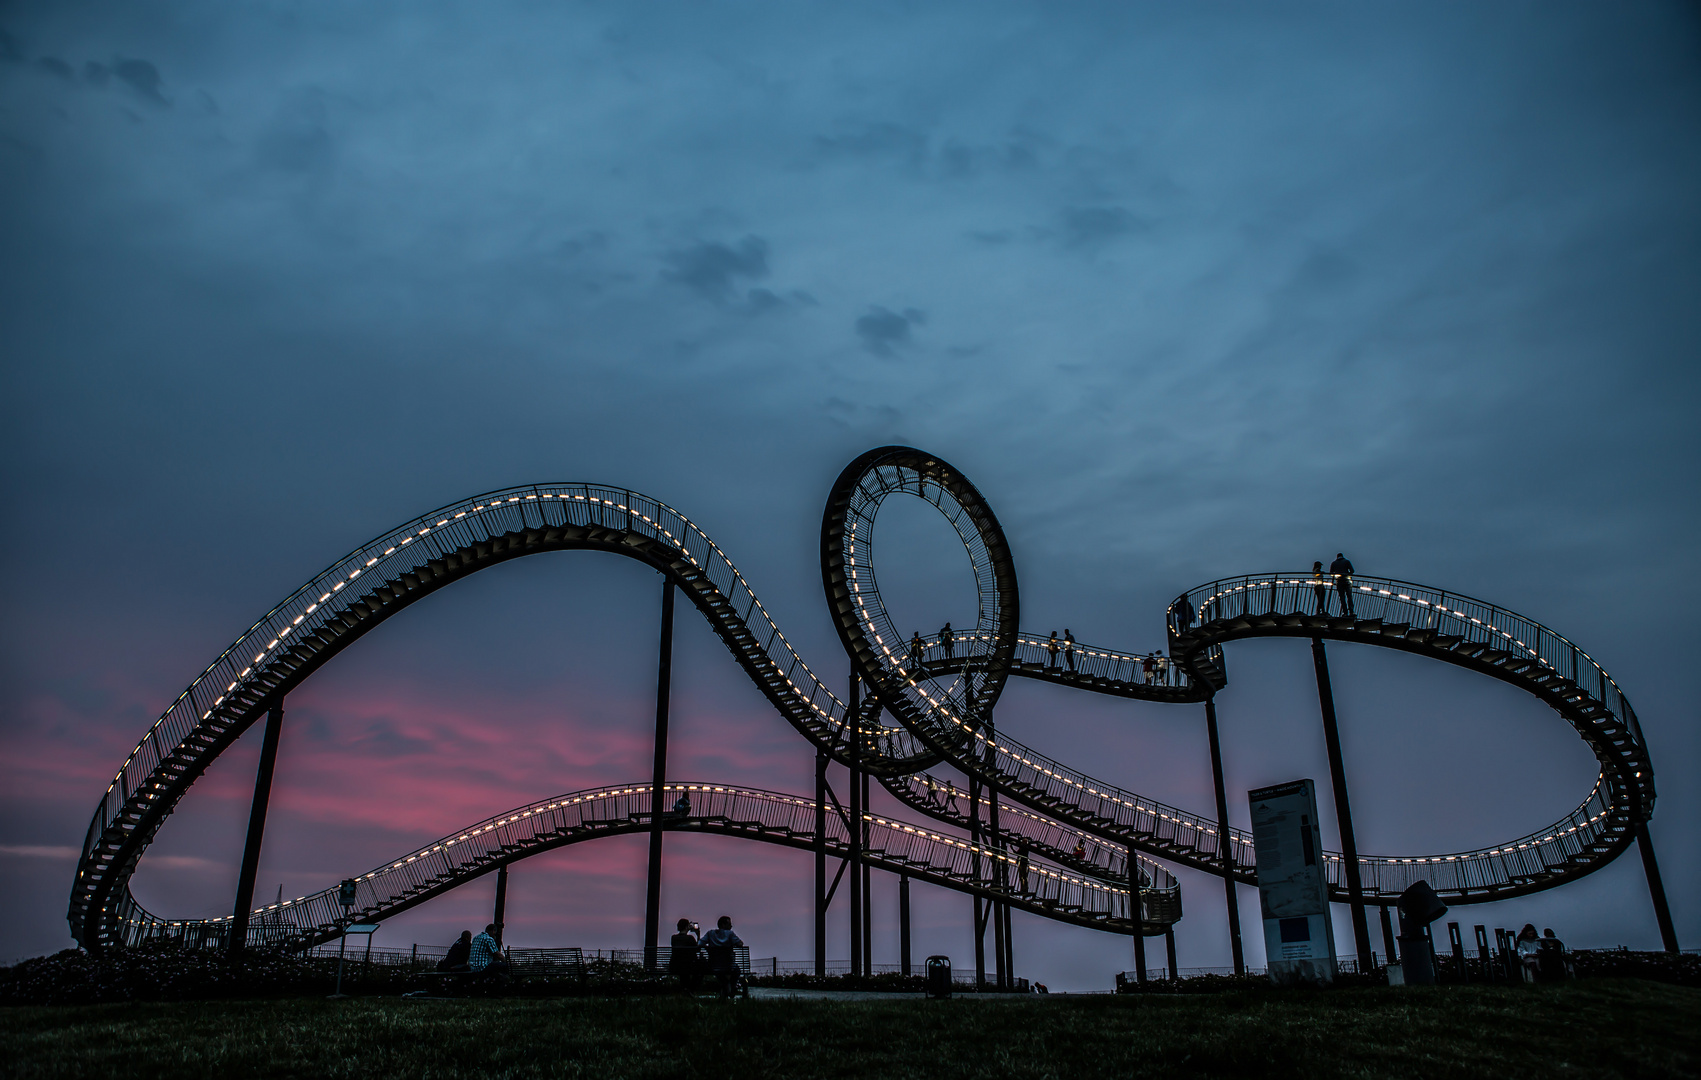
x,y
658,779
1656,888
1343,811
1224,848
256,829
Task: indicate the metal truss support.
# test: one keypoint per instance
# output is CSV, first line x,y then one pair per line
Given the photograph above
x,y
1343,811
820,864
256,829
904,923
1169,950
658,800
1224,850
1656,888
500,916
1388,936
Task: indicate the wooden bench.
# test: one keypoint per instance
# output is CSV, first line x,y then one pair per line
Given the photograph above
x,y
528,963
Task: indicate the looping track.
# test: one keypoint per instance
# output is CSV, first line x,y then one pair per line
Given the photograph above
x,y
943,704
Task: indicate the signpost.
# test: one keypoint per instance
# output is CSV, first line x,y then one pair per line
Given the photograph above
x,y
346,897
1293,891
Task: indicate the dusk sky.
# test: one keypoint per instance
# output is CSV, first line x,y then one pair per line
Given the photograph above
x,y
1186,291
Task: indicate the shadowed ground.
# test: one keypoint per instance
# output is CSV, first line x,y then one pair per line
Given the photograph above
x,y
1604,1028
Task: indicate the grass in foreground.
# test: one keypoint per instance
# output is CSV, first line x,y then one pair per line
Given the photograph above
x,y
1606,1028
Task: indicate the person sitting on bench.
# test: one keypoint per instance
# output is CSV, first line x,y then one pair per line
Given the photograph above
x,y
487,953
682,956
459,953
719,943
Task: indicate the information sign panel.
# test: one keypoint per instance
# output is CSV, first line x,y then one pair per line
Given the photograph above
x,y
1293,892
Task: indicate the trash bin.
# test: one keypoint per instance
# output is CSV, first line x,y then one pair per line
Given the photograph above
x,y
936,977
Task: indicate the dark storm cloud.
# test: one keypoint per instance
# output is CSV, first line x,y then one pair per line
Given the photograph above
x,y
140,76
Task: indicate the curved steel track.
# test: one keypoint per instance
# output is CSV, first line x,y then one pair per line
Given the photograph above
x,y
943,704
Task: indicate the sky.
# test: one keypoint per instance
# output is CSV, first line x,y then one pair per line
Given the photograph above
x,y
1185,291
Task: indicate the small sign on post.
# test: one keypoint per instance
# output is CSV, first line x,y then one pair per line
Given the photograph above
x,y
1293,890
346,896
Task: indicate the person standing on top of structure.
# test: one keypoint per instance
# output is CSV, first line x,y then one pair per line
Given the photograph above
x,y
917,648
1022,868
1343,574
1183,609
947,639
1051,652
1319,588
1069,648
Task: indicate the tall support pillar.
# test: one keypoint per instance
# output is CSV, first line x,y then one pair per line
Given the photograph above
x,y
981,909
1656,888
1343,811
1137,913
658,778
867,898
257,829
820,864
1388,937
1224,849
1169,950
904,924
1000,871
499,917
853,726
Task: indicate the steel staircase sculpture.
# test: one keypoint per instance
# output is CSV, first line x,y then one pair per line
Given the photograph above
x,y
944,704
1051,890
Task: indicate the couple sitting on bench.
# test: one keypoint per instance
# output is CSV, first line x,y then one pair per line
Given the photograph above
x,y
476,955
717,945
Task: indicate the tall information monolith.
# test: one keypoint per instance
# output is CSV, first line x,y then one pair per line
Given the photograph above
x,y
1293,892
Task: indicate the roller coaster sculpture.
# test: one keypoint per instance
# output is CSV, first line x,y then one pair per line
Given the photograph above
x,y
1082,832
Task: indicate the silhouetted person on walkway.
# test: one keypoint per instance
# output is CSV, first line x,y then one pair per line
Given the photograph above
x,y
1319,588
947,640
950,795
682,955
1051,652
1149,667
1069,648
1184,613
1022,868
917,648
1342,570
682,806
458,954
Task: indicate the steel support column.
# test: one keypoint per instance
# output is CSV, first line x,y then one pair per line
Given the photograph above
x,y
256,829
853,726
904,923
658,799
1169,950
820,864
1656,888
1343,811
1388,936
500,915
867,897
1137,914
1000,873
980,907
1225,850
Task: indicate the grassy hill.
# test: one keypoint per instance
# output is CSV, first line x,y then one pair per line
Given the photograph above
x,y
1599,1028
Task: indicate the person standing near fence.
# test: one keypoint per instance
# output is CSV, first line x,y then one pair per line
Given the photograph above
x,y
1319,588
1069,649
1051,652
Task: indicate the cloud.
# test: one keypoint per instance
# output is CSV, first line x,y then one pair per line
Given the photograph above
x,y
882,328
714,271
893,142
140,76
10,51
55,66
97,73
1094,226
38,851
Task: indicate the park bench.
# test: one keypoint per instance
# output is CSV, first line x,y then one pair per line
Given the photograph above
x,y
528,963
